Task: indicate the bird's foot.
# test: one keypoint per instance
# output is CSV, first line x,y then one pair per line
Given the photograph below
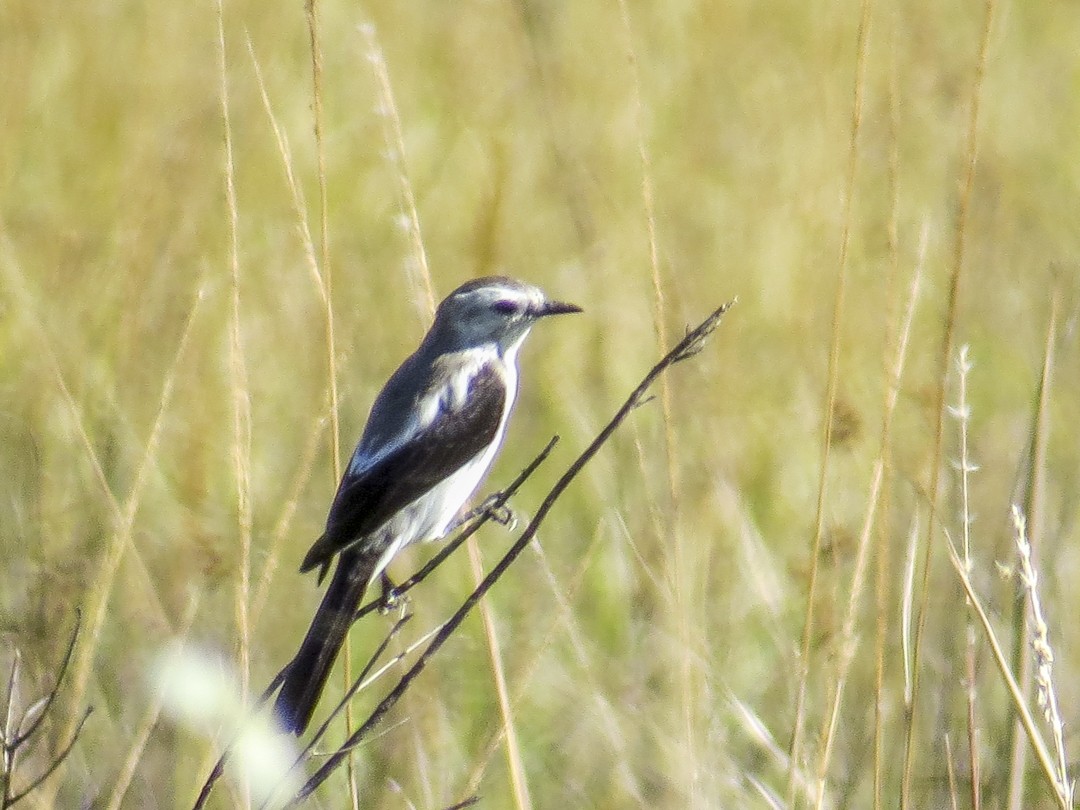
x,y
391,598
503,515
494,506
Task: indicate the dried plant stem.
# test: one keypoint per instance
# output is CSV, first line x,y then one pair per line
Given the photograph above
x,y
496,502
20,725
419,272
680,573
284,521
421,277
514,763
882,567
962,413
241,403
1046,761
832,380
315,42
1046,694
944,355
1034,509
848,641
105,578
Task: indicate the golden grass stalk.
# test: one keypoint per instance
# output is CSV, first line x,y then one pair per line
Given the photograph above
x,y
326,289
882,569
514,761
1046,694
563,619
680,572
950,768
241,402
420,277
951,309
832,381
848,640
418,271
320,276
1034,507
1045,759
284,521
755,728
962,413
238,383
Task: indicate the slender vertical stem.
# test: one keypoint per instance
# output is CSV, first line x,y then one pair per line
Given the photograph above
x,y
832,379
945,352
241,406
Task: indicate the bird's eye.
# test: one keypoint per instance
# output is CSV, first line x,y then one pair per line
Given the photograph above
x,y
506,307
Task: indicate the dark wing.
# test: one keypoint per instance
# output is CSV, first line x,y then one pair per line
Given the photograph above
x,y
366,500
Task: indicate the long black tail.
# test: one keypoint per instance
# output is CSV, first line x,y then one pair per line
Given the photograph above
x,y
310,669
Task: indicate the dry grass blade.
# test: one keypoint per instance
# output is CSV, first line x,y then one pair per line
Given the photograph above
x,y
962,413
238,386
946,350
419,272
1035,510
1046,693
326,277
1046,761
848,642
238,382
832,382
123,515
105,579
680,574
522,799
284,521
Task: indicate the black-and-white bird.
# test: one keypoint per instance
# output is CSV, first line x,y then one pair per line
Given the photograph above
x,y
432,434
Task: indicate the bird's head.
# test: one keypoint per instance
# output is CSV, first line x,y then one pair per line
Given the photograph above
x,y
495,310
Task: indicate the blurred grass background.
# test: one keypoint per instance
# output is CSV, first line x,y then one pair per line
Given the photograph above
x,y
635,668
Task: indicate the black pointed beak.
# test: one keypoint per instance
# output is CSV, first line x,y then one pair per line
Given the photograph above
x,y
554,308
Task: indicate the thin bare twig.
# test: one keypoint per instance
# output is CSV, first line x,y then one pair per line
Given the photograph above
x,y
20,727
475,521
689,346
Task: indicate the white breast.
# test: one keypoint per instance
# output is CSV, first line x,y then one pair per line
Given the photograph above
x,y
429,517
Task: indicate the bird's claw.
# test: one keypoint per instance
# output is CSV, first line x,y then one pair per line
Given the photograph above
x,y
504,515
391,597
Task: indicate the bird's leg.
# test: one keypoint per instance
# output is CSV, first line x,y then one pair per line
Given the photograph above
x,y
390,595
491,506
